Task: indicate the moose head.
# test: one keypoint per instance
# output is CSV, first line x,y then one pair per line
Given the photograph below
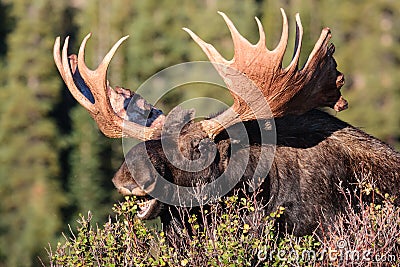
x,y
262,90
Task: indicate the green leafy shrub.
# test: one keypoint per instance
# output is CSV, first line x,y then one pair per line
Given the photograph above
x,y
236,232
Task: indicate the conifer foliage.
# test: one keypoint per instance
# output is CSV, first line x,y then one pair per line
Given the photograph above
x,y
29,186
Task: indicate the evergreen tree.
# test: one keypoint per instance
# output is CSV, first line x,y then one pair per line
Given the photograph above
x,y
6,25
29,169
87,183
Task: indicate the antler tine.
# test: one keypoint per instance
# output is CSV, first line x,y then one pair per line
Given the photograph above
x,y
83,69
322,43
107,59
281,47
62,64
239,42
209,49
57,56
297,45
261,41
99,76
103,66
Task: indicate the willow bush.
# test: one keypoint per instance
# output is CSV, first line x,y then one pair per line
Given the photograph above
x,y
236,232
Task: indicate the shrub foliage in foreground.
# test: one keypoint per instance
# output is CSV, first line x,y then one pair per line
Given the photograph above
x,y
239,234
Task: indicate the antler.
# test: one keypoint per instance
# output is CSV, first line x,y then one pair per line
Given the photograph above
x,y
90,88
255,77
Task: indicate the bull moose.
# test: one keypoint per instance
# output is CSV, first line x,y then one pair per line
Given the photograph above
x,y
314,152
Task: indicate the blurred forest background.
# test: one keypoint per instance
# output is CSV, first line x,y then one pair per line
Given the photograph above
x,y
55,164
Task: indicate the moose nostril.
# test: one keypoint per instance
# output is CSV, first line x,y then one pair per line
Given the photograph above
x,y
130,187
127,190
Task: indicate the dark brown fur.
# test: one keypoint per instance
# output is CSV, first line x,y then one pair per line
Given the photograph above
x,y
315,153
